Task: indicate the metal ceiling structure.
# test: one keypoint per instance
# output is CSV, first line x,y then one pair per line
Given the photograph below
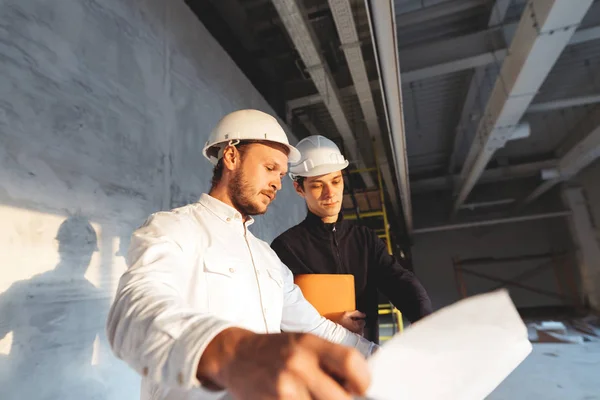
x,y
467,74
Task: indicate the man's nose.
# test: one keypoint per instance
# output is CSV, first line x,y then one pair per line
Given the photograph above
x,y
276,185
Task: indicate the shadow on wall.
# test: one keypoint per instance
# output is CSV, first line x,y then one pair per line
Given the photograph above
x,y
54,322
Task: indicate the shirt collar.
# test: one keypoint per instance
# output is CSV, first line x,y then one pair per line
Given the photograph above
x,y
223,211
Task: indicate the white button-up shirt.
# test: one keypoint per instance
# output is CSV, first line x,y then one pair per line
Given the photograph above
x,y
193,272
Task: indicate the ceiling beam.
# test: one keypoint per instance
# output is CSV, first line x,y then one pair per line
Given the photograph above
x,y
544,30
564,103
385,46
585,35
436,11
473,93
497,174
306,43
316,98
308,124
351,45
506,220
476,94
454,64
451,55
580,156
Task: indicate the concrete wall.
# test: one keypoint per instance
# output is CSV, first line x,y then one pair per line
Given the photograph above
x,y
104,108
433,252
589,179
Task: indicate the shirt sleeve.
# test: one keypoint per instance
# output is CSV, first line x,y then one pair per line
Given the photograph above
x,y
150,326
397,283
300,316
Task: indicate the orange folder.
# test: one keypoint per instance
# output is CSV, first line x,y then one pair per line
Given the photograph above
x,y
330,294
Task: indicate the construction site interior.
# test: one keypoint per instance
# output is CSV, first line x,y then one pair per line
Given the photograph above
x,y
472,128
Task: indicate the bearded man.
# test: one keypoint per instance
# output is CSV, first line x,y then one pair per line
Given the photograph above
x,y
201,309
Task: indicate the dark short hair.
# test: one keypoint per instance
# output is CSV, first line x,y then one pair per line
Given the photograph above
x,y
300,181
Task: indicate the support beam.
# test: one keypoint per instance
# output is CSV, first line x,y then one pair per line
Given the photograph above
x,y
579,157
426,14
308,124
316,98
586,242
455,63
383,33
452,55
474,92
460,64
585,35
304,39
346,28
508,220
564,103
489,175
543,32
499,10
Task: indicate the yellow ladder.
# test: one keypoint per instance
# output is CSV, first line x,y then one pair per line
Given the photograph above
x,y
383,233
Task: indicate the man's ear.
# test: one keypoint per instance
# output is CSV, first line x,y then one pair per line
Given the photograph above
x,y
231,158
299,189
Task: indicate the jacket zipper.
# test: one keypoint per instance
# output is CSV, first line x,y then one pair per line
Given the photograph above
x,y
337,250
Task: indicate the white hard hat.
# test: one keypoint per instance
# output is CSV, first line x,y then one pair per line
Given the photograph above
x,y
319,156
246,125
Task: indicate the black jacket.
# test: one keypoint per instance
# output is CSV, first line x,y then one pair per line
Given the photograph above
x,y
313,247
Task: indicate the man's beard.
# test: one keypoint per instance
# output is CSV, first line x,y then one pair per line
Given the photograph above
x,y
241,195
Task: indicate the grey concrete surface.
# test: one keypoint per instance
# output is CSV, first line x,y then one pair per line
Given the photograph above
x,y
104,109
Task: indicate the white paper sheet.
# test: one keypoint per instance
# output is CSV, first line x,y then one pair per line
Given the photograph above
x,y
461,352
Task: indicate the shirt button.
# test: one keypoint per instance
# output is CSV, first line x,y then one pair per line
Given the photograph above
x,y
180,378
228,219
145,371
232,270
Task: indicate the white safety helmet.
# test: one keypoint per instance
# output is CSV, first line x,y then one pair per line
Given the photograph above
x,y
319,156
246,125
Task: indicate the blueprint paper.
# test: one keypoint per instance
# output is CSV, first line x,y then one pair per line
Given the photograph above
x,y
461,352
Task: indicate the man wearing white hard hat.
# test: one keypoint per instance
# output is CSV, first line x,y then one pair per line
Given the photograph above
x,y
325,243
200,311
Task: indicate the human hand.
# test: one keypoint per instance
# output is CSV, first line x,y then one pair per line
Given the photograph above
x,y
354,321
290,366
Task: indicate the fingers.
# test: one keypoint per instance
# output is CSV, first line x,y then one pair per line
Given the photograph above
x,y
304,367
292,387
323,387
345,364
356,314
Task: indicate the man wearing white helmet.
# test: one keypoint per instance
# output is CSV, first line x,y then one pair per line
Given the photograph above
x,y
325,243
200,311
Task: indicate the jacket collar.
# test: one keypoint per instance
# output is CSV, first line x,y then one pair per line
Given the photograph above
x,y
315,223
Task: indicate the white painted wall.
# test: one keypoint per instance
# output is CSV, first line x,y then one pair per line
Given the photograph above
x,y
433,252
104,109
